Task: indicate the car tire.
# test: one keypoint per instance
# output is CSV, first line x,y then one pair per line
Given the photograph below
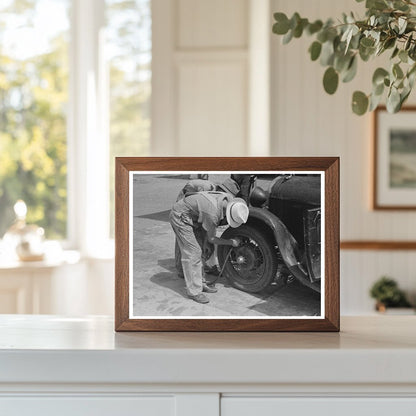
x,y
258,251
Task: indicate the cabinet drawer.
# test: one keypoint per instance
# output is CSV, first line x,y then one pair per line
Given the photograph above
x,y
274,406
87,406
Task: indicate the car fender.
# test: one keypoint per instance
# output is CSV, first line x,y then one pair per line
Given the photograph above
x,y
287,244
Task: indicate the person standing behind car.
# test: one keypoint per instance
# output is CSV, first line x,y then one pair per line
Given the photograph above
x,y
206,209
246,183
196,185
200,185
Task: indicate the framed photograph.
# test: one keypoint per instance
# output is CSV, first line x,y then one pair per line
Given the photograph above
x,y
227,244
394,176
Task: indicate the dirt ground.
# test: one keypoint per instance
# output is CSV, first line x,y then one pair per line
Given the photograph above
x,y
157,291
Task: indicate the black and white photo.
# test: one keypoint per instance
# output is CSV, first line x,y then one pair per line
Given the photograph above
x,y
226,244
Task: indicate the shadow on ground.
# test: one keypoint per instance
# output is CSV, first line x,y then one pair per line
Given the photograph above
x,y
170,281
294,299
158,216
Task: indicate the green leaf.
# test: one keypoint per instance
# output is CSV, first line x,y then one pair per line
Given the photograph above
x,y
351,71
389,43
314,27
379,75
403,96
327,53
337,42
376,4
402,24
332,33
294,20
366,48
281,27
351,32
412,70
367,42
298,30
408,42
412,52
288,37
315,50
393,101
355,41
378,89
341,61
395,52
400,5
330,80
366,53
397,71
411,76
382,19
374,101
359,103
403,56
322,36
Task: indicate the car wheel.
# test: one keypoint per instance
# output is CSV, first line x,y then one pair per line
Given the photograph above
x,y
252,266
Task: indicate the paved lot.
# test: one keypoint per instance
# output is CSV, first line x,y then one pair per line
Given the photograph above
x,y
158,291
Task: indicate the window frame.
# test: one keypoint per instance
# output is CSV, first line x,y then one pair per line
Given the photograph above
x,y
88,133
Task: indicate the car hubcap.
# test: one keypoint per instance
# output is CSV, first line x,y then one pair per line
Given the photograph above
x,y
247,260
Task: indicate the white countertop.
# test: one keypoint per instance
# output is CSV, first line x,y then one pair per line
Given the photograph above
x,y
52,349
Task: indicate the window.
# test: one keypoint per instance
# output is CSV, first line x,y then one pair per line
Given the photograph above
x,y
75,88
33,103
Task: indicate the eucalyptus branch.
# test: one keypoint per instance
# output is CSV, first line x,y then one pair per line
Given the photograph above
x,y
389,25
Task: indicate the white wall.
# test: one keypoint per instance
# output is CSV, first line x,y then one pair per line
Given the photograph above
x,y
308,122
203,84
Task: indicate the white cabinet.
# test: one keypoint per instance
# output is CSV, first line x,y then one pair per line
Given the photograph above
x,y
53,365
323,406
88,406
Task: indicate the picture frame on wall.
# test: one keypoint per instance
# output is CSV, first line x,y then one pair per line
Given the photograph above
x,y
227,244
394,151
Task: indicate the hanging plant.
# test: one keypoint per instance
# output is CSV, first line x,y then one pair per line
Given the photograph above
x,y
388,27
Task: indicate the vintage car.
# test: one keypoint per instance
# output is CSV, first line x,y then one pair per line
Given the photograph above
x,y
281,240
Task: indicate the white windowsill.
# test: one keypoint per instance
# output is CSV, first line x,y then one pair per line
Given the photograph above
x,y
64,257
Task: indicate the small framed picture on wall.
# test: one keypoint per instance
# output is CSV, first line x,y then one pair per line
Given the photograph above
x,y
394,177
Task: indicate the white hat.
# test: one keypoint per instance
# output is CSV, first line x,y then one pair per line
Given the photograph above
x,y
236,212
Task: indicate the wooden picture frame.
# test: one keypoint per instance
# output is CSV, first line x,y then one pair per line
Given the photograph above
x,y
128,279
394,184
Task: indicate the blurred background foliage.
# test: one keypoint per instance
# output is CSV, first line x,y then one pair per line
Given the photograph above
x,y
34,91
33,99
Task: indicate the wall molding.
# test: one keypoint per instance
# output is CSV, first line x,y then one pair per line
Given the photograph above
x,y
377,245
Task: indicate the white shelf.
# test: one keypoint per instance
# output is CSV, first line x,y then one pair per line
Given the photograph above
x,y
48,349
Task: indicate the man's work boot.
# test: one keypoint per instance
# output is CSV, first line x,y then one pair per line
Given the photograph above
x,y
209,289
200,298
